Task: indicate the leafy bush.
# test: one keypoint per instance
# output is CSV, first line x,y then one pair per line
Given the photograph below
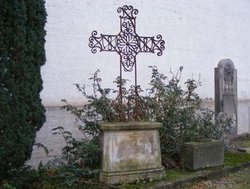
x,y
21,178
21,56
82,158
178,108
181,112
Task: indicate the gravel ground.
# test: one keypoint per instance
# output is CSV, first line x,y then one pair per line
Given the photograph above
x,y
238,180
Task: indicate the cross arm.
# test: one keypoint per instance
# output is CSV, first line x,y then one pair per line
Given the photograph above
x,y
104,42
151,44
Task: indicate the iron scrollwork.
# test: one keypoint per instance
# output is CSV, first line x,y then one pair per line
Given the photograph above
x,y
127,43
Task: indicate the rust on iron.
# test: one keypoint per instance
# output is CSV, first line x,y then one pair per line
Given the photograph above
x,y
127,43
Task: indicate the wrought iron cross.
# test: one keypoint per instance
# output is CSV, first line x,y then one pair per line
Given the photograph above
x,y
127,43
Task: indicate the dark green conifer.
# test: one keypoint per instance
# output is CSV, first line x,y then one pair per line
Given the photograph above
x,y
21,56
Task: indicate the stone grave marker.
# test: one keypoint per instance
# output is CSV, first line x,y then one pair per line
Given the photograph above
x,y
226,91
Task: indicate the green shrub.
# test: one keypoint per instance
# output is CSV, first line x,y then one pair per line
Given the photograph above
x,y
182,114
21,56
83,153
178,108
82,158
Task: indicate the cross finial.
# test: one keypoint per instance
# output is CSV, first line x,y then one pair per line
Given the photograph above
x,y
127,11
127,43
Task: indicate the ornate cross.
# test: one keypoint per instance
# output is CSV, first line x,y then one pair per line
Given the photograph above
x,y
127,43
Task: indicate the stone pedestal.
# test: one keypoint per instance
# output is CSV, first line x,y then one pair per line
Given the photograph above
x,y
130,151
226,92
197,155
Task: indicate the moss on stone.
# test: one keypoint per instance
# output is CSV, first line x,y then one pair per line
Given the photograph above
x,y
130,126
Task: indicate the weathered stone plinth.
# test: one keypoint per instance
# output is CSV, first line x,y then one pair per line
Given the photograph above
x,y
197,155
226,92
130,151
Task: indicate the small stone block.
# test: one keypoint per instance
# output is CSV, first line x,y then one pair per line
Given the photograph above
x,y
198,155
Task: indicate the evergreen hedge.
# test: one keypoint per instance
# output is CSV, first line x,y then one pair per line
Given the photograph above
x,y
21,56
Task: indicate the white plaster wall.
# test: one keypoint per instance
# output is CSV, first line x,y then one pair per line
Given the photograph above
x,y
198,34
243,116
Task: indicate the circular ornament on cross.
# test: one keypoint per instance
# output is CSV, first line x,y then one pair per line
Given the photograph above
x,y
127,44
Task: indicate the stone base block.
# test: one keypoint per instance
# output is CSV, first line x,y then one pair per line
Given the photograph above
x,y
129,176
198,155
131,151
